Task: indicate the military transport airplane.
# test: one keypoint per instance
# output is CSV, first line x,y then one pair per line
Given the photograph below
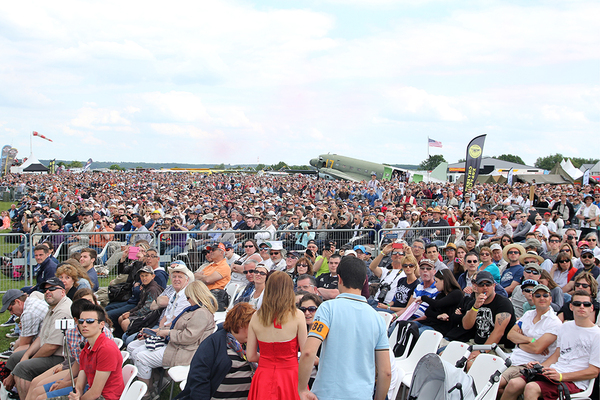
x,y
353,169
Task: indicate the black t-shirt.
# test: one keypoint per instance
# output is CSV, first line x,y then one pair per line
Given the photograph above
x,y
568,314
486,320
326,281
403,292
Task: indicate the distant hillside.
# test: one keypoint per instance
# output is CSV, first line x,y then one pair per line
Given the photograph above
x,y
128,165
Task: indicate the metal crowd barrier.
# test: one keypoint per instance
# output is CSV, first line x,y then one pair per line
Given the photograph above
x,y
296,239
189,245
16,271
426,233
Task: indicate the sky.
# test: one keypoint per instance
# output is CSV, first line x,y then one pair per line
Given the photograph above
x,y
240,82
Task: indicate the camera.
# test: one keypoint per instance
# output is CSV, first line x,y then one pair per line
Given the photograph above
x,y
531,373
384,288
570,237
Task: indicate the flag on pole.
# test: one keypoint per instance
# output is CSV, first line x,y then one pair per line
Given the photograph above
x,y
434,143
42,136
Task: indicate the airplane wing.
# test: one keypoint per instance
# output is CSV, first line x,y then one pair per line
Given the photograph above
x,y
349,176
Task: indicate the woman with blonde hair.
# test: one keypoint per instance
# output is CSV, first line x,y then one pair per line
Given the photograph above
x,y
279,328
73,277
194,324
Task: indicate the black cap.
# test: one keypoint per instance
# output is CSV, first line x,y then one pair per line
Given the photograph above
x,y
54,281
10,296
483,276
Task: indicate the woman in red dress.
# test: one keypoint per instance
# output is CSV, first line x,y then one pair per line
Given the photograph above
x,y
279,329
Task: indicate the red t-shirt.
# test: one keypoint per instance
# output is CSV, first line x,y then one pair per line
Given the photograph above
x,y
104,356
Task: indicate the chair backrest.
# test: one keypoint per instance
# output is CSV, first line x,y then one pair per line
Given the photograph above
x,y
136,391
428,343
125,355
393,337
119,342
387,317
483,367
129,373
454,352
231,290
586,393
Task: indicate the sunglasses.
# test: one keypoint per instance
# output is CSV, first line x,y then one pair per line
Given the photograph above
x,y
88,321
261,273
311,309
397,253
247,247
554,241
52,289
591,240
564,261
513,252
250,271
532,271
583,285
586,304
264,248
471,261
565,251
485,284
544,295
587,256
302,265
274,253
426,268
484,254
470,240
408,265
527,290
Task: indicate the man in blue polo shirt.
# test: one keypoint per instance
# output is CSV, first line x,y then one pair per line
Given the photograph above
x,y
354,343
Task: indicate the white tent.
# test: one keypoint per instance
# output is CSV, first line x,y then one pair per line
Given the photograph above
x,y
31,165
568,167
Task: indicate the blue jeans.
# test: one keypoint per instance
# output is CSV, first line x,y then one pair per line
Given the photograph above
x,y
115,310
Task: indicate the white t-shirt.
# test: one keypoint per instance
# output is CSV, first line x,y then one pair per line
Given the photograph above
x,y
392,277
549,323
579,347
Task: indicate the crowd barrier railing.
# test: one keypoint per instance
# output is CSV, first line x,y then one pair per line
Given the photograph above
x,y
15,268
440,236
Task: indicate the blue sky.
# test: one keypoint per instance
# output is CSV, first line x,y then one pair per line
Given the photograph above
x,y
241,81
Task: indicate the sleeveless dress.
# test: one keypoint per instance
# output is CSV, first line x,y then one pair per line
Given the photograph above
x,y
276,377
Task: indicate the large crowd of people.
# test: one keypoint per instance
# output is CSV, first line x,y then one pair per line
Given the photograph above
x,y
517,266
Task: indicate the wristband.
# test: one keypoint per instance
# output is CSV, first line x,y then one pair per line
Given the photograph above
x,y
559,377
532,340
475,309
389,307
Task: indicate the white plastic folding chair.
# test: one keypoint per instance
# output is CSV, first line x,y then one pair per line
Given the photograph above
x,y
231,290
428,343
129,373
483,367
586,393
136,391
119,342
178,373
125,355
387,317
454,352
393,337
182,384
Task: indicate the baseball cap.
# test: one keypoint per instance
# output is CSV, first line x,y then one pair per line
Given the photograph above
x,y
483,276
360,247
541,287
529,282
146,269
219,246
427,262
495,246
54,281
10,296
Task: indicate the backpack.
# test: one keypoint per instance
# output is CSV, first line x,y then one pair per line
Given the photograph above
x,y
408,331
